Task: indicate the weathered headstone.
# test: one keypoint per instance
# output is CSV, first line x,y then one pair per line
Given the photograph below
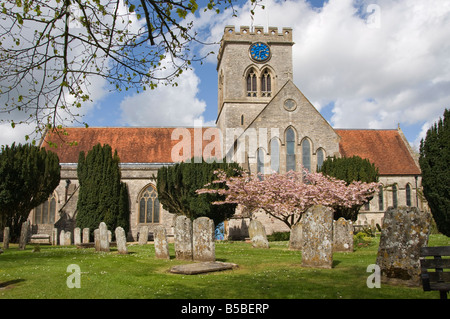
x,y
23,236
203,239
77,236
317,237
161,244
343,235
257,233
55,236
295,238
143,235
104,241
121,240
67,238
183,238
85,235
97,239
62,238
405,230
6,238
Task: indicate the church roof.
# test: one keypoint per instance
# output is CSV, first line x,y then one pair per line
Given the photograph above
x,y
385,148
133,144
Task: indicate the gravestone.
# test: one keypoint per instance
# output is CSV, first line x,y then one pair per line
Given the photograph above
x,y
62,240
405,230
77,236
183,238
317,237
85,235
67,238
6,238
23,236
121,240
257,233
203,239
161,244
343,235
295,238
103,236
55,236
97,239
143,235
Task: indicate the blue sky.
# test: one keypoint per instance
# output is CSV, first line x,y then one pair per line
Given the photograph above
x,y
362,63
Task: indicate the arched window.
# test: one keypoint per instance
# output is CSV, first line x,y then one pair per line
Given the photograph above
x,y
46,212
306,154
266,83
149,206
251,83
320,158
395,196
290,150
275,155
380,199
260,161
408,195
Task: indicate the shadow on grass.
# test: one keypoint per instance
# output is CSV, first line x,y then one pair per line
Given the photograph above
x,y
8,284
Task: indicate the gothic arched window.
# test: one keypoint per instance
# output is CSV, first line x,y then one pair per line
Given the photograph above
x,y
290,150
46,212
408,195
306,154
260,161
266,83
251,83
275,155
380,199
394,196
149,206
320,158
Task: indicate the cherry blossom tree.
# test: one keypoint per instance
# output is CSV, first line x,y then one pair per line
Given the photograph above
x,y
287,196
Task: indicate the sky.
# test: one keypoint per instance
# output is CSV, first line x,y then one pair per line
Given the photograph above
x,y
364,64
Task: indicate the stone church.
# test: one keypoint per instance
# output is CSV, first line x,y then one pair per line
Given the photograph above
x,y
264,122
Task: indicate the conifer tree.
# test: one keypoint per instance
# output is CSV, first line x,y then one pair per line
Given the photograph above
x,y
350,169
102,195
177,185
28,176
435,165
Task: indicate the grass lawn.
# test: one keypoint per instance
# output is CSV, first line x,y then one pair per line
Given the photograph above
x,y
274,273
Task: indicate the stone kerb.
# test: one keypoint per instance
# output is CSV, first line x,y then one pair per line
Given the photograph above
x,y
183,238
405,230
342,235
317,237
257,234
161,243
203,239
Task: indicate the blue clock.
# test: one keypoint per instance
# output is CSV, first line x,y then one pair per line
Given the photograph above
x,y
260,52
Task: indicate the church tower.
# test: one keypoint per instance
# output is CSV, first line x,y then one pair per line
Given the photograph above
x,y
252,66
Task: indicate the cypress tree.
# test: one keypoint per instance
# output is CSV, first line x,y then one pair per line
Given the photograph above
x,y
28,176
434,162
102,195
176,186
349,169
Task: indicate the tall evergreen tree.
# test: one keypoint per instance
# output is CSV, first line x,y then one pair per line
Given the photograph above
x,y
434,162
350,169
102,195
28,176
176,186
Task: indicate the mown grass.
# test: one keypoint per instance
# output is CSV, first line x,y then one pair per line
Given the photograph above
x,y
274,273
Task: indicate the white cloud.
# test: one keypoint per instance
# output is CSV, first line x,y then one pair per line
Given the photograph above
x,y
166,105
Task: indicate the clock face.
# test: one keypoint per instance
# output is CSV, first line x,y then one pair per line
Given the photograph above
x,y
259,51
